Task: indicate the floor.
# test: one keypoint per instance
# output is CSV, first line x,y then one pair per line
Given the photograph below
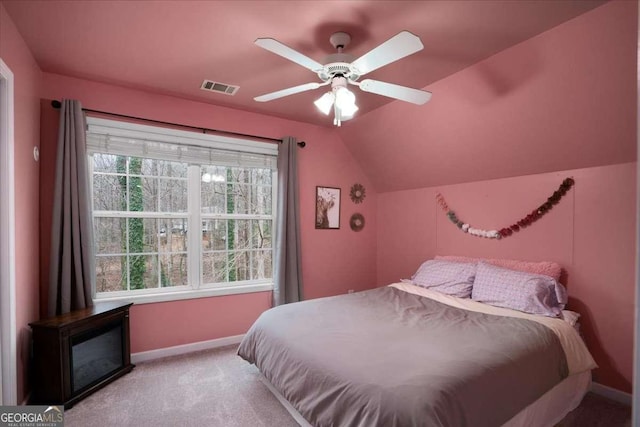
x,y
217,388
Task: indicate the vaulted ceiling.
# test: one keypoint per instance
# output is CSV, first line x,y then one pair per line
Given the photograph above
x,y
170,47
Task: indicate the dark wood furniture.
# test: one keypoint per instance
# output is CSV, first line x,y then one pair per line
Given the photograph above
x,y
77,353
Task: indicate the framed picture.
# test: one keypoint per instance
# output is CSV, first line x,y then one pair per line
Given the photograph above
x,y
327,208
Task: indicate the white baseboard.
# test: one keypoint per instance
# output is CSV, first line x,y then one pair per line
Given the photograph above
x,y
143,356
611,393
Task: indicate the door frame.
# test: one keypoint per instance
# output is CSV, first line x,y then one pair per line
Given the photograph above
x,y
8,344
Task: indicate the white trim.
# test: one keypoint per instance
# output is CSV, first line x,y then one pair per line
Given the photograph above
x,y
194,240
8,351
144,356
611,393
194,216
187,294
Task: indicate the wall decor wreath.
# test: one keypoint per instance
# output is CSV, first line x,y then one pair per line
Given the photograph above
x,y
526,221
357,193
356,222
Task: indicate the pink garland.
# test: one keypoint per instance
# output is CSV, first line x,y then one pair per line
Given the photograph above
x,y
526,221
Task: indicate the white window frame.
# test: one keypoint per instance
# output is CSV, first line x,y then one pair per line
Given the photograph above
x,y
194,289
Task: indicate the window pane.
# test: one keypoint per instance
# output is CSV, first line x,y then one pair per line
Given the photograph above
x,y
173,270
214,235
238,198
148,193
261,200
214,267
177,230
261,265
241,236
236,175
212,196
137,272
136,237
109,193
136,194
110,235
173,195
238,264
213,174
150,277
104,163
261,176
173,235
111,273
261,233
151,234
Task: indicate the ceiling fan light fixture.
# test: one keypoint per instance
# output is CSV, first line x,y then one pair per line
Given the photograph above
x,y
346,102
340,70
325,102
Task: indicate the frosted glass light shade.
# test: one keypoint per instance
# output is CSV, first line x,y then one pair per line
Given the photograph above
x,y
346,102
325,102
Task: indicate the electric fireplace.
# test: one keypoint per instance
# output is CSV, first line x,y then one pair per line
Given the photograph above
x,y
77,353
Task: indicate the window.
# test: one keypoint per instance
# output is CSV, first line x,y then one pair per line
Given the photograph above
x,y
178,214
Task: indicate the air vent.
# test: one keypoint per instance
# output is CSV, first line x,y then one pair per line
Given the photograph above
x,y
218,87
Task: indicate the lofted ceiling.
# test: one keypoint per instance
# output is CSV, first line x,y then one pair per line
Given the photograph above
x,y
170,47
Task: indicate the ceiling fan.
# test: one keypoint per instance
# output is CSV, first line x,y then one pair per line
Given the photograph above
x,y
340,70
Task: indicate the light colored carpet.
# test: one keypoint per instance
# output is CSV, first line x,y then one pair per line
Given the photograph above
x,y
216,388
207,388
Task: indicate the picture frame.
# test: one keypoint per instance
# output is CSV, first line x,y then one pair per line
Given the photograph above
x,y
327,208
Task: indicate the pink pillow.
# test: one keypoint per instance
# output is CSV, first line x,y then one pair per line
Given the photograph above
x,y
548,268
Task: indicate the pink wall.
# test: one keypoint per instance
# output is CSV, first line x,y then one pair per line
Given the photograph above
x,y
27,76
562,101
333,261
565,99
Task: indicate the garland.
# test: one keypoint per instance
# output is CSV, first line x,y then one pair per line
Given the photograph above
x,y
526,221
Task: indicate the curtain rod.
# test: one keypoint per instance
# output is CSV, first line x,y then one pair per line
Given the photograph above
x,y
57,104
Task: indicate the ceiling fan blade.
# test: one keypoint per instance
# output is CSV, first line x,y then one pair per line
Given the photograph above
x,y
397,47
286,92
286,52
390,90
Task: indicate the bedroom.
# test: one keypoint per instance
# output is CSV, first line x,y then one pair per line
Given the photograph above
x,y
498,135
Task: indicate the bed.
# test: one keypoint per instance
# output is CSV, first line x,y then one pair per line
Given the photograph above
x,y
406,355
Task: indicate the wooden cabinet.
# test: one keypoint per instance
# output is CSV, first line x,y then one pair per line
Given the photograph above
x,y
77,353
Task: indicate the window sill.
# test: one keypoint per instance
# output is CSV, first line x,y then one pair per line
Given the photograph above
x,y
188,294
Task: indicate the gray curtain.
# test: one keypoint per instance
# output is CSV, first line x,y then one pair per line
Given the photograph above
x,y
72,262
288,273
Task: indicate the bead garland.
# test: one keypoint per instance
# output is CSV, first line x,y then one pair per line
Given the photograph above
x,y
526,221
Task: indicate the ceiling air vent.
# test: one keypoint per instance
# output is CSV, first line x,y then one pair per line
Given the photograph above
x,y
218,87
